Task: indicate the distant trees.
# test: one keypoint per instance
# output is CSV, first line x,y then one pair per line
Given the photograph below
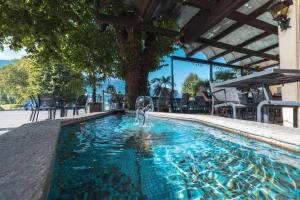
x,y
26,77
225,75
189,82
14,82
161,84
59,35
201,82
57,79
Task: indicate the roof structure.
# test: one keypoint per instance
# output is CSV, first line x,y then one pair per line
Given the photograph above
x,y
241,31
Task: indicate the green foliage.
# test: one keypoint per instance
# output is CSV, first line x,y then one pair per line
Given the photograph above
x,y
57,79
201,82
65,32
225,75
14,82
117,98
10,106
161,84
189,83
111,89
26,76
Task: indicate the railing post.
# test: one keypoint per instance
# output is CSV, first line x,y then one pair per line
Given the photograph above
x,y
211,68
295,117
103,101
172,82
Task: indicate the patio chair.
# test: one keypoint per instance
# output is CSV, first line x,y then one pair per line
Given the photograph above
x,y
155,103
163,102
185,102
81,102
226,97
46,102
201,104
176,104
34,108
269,101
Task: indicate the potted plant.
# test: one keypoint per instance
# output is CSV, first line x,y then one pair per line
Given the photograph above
x,y
118,100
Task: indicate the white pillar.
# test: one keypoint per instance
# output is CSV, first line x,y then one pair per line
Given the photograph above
x,y
289,49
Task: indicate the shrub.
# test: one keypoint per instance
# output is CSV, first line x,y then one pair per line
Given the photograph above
x,y
10,106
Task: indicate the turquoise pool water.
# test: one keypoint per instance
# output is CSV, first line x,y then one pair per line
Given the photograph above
x,y
112,158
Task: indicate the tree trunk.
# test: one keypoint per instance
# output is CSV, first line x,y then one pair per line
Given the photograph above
x,y
143,80
132,87
94,93
137,59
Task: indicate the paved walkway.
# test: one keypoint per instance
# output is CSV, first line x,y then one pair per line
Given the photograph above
x,y
13,119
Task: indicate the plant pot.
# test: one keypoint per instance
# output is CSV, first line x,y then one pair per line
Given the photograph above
x,y
95,107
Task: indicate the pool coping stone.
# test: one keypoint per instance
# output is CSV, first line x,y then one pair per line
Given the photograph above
x,y
279,136
28,154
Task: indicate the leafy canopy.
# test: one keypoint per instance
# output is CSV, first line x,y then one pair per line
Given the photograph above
x,y
189,82
14,82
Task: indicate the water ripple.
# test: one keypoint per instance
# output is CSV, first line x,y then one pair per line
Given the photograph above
x,y
112,158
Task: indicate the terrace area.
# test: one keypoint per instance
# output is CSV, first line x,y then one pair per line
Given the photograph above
x,y
230,130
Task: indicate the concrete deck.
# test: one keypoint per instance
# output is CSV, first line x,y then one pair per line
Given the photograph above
x,y
279,136
10,120
27,157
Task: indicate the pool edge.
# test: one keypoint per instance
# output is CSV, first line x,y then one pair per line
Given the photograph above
x,y
271,141
28,155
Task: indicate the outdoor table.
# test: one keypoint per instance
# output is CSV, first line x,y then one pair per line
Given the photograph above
x,y
265,79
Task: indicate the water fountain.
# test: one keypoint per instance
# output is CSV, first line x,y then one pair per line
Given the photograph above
x,y
143,105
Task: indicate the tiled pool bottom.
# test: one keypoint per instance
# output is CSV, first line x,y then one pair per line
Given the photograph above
x,y
112,158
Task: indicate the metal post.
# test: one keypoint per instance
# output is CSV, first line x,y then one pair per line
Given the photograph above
x,y
211,68
295,117
172,80
103,107
242,72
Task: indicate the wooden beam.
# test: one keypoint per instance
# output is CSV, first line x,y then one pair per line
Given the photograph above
x,y
269,66
240,17
232,28
258,62
127,22
236,48
130,22
249,56
251,21
206,19
247,42
150,9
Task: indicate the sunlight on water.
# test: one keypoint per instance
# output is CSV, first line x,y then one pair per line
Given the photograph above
x,y
112,158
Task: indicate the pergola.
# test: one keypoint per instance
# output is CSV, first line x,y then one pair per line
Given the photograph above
x,y
241,31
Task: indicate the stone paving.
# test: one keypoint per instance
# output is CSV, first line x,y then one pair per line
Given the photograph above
x,y
13,119
27,156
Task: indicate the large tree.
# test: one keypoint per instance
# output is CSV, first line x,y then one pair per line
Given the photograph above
x,y
140,51
66,31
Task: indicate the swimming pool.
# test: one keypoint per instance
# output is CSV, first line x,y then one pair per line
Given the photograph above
x,y
112,158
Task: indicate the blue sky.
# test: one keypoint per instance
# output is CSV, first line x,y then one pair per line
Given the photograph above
x,y
8,54
181,69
